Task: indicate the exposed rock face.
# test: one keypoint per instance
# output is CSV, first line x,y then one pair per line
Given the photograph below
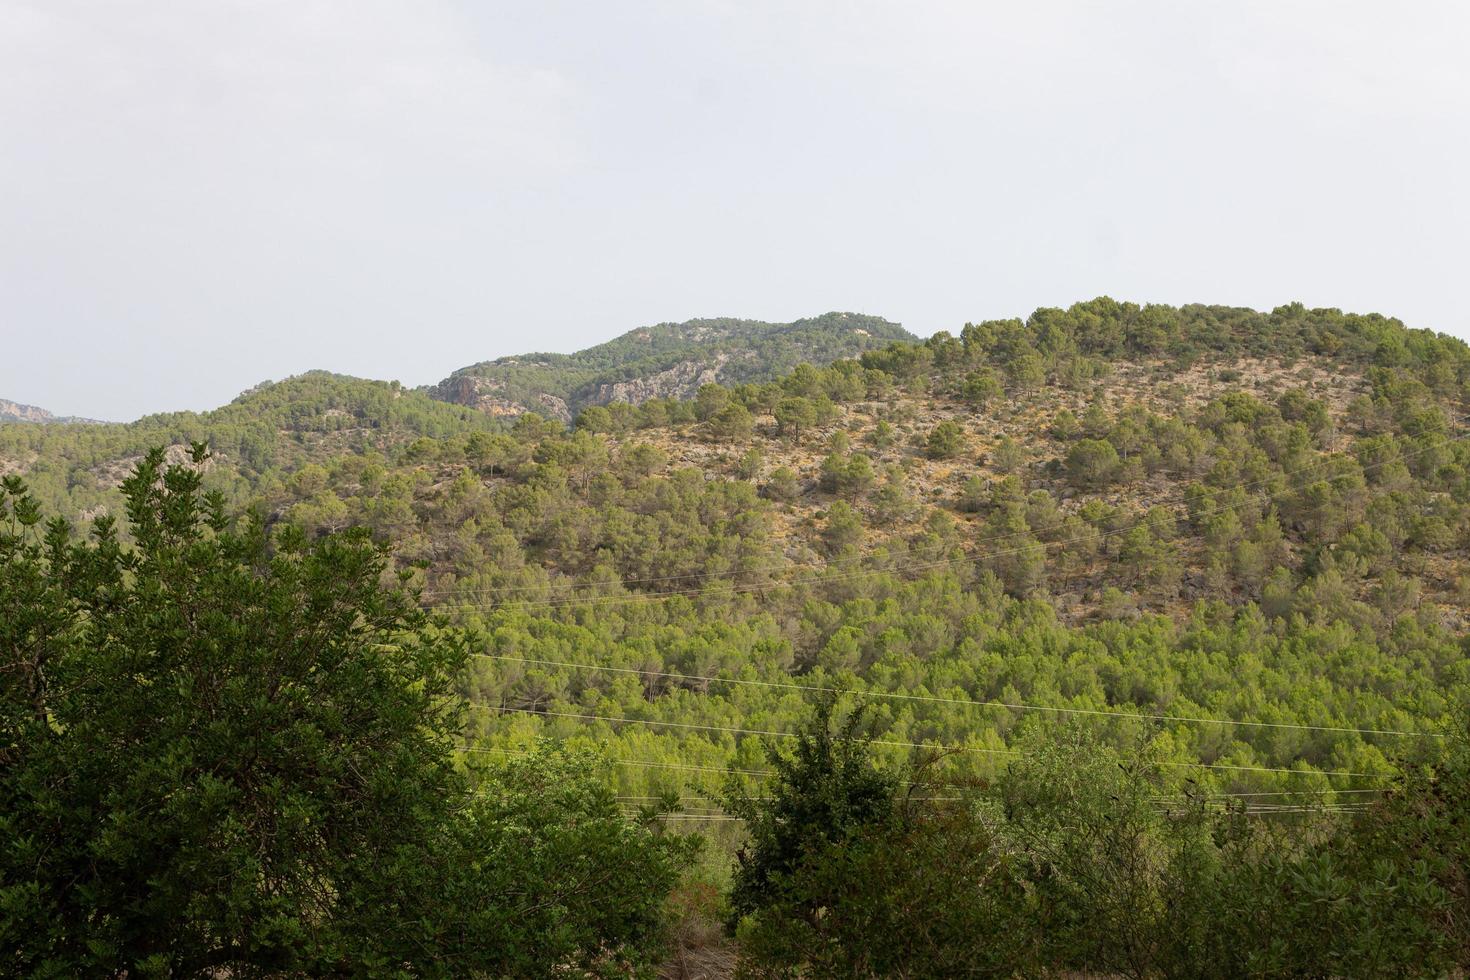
x,y
462,389
556,408
486,395
668,360
16,412
15,467
680,381
113,472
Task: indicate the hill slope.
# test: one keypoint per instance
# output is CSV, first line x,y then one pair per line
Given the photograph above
x,y
1202,512
669,360
274,428
1223,552
1104,582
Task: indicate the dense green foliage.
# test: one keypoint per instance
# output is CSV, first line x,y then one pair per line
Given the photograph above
x,y
1232,559
225,752
823,794
1230,546
1080,860
76,470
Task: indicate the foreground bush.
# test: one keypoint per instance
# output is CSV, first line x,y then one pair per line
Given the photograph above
x,y
224,752
1080,860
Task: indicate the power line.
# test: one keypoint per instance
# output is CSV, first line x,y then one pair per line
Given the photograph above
x,y
717,818
1259,808
1219,799
1284,792
714,770
717,770
920,745
934,699
731,818
640,763
759,799
738,731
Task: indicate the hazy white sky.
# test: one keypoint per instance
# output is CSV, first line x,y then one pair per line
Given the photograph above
x,y
201,194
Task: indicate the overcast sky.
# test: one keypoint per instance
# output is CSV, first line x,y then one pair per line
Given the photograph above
x,y
198,195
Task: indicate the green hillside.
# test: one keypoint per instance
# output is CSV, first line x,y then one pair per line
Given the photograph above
x,y
1085,509
275,428
1120,639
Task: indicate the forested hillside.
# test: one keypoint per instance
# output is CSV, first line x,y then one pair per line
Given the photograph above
x,y
1199,512
75,470
1100,568
668,360
75,466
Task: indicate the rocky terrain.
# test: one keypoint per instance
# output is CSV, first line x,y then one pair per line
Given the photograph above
x,y
669,360
16,412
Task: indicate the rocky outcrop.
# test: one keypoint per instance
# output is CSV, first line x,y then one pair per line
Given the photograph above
x,y
554,407
680,381
464,389
16,412
488,395
16,467
113,472
667,360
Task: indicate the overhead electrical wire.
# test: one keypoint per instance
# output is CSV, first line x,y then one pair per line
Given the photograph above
x,y
717,770
1219,802
917,745
968,559
935,699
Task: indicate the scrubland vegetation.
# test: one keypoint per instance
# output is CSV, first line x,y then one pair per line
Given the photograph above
x,y
1122,639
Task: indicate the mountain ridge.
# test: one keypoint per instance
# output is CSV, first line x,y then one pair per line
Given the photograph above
x,y
1227,545
665,360
12,411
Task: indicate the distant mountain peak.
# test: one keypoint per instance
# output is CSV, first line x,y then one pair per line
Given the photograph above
x,y
17,412
663,360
